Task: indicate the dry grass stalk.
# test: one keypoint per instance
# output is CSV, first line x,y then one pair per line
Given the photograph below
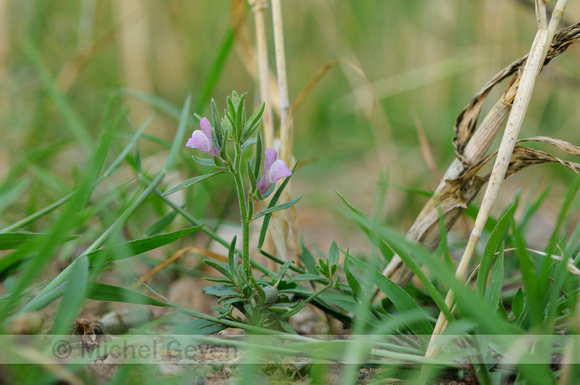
x,y
286,132
246,50
258,7
460,185
529,75
280,224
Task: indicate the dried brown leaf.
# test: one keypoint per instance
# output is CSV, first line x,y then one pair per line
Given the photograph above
x,y
523,157
466,121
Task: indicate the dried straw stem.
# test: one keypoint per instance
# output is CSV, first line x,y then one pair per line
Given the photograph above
x,y
258,7
286,134
529,75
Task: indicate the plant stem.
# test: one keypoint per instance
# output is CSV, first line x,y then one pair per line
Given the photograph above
x,y
236,170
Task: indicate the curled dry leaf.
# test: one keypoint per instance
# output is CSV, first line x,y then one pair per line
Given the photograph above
x,y
466,121
460,184
523,157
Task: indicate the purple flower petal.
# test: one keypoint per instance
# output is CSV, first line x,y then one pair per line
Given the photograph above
x,y
203,139
271,156
274,170
205,127
199,140
277,171
263,185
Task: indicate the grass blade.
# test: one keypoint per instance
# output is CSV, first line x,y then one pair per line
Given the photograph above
x,y
178,140
496,236
399,297
192,181
73,297
139,246
102,292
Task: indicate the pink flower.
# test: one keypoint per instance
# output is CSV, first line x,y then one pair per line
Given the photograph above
x,y
274,170
203,140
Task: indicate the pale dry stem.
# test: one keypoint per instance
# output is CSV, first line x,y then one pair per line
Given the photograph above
x,y
258,7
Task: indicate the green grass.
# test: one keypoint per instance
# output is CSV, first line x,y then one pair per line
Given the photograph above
x,y
85,208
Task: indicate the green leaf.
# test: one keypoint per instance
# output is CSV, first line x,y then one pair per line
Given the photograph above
x,y
199,327
252,123
46,295
333,254
307,277
179,135
406,251
570,195
533,208
160,224
253,181
203,161
72,119
273,202
282,206
399,297
232,259
220,291
10,241
258,161
518,304
216,67
352,281
248,143
103,292
239,117
139,246
493,293
529,279
10,192
307,259
496,237
219,267
39,214
127,148
215,123
73,298
191,181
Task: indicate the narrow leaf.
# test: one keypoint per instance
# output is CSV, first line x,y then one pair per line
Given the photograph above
x,y
495,238
103,292
178,140
399,297
73,297
191,181
139,246
282,206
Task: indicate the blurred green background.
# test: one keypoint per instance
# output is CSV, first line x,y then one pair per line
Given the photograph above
x,y
424,58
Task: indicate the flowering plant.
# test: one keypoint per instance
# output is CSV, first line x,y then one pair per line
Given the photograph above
x,y
224,141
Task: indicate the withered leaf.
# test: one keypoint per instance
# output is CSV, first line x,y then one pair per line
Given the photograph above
x,y
523,157
466,121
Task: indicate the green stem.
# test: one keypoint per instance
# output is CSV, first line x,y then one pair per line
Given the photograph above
x,y
236,170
